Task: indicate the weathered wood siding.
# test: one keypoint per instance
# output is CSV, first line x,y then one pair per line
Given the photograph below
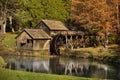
x,y
41,25
41,44
24,41
44,27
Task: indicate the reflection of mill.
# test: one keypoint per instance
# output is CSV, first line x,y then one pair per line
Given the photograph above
x,y
29,64
60,66
78,68
81,69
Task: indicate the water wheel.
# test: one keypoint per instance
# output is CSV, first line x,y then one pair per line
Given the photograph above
x,y
55,44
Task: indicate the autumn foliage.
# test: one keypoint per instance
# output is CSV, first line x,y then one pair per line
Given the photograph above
x,y
101,16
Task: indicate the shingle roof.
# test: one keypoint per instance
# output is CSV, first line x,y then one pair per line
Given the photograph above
x,y
36,34
54,25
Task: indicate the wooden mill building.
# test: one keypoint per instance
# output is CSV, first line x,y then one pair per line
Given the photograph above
x,y
51,27
33,39
39,38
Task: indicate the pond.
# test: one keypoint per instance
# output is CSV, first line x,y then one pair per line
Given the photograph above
x,y
63,66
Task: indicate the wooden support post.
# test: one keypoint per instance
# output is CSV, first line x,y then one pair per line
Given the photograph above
x,y
66,40
71,42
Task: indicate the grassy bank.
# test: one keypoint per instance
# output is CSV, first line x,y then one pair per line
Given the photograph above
x,y
2,62
109,54
9,40
7,45
6,74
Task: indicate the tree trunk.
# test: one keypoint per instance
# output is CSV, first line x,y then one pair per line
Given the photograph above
x,y
10,19
4,16
3,27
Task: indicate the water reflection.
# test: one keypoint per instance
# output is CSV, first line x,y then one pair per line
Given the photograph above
x,y
28,64
66,66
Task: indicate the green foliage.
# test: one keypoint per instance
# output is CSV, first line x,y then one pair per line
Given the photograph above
x,y
9,40
2,62
55,9
31,11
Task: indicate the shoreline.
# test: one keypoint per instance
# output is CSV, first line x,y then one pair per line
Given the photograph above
x,y
100,54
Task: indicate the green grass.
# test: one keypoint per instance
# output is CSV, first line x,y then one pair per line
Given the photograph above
x,y
2,62
6,74
9,40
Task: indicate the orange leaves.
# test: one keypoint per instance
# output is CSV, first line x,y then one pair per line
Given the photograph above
x,y
97,13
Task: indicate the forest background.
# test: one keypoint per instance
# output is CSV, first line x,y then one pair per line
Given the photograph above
x,y
101,17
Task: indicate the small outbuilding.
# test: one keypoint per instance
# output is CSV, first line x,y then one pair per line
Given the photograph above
x,y
33,39
51,27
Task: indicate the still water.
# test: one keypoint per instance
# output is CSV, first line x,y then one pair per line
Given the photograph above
x,y
63,66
